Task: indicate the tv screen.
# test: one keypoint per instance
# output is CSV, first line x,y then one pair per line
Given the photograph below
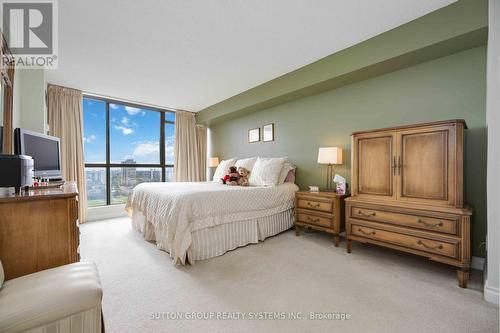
x,y
45,152
44,149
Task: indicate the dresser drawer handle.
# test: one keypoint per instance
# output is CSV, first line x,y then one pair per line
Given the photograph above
x,y
360,212
311,205
430,225
366,233
437,247
312,220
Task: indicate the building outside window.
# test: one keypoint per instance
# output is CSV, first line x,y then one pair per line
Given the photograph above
x,y
125,145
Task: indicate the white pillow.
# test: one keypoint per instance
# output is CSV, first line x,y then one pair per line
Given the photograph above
x,y
246,163
266,171
287,167
223,169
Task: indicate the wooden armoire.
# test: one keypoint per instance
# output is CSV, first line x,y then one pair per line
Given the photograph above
x,y
407,192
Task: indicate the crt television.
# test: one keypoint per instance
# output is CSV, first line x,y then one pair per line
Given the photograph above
x,y
45,150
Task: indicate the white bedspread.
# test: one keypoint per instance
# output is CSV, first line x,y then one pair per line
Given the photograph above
x,y
177,209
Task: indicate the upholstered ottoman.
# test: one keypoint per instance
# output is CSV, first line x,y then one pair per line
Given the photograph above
x,y
61,299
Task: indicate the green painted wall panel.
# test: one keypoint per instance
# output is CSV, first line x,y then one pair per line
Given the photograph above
x,y
447,88
439,33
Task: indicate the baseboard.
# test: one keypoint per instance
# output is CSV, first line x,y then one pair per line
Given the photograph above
x,y
491,294
105,212
477,263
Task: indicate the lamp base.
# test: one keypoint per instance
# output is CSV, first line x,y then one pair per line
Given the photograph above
x,y
329,178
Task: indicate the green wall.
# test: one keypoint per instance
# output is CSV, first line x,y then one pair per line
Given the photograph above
x,y
447,88
458,27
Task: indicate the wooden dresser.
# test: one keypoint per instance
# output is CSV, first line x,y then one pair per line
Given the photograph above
x,y
320,210
407,192
38,231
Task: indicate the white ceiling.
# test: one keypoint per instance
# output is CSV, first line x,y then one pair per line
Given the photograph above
x,y
194,53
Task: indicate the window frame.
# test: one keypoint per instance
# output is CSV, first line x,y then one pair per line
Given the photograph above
x,y
107,165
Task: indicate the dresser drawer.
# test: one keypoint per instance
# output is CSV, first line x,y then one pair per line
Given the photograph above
x,y
310,203
444,248
443,225
321,221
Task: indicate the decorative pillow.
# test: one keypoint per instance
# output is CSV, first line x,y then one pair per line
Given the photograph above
x,y
223,169
290,178
287,167
246,163
2,275
266,171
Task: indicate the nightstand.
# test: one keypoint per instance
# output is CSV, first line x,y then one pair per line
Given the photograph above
x,y
322,211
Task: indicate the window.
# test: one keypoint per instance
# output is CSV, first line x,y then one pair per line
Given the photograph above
x,y
124,145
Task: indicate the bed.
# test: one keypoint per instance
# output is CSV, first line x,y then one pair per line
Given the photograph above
x,y
200,220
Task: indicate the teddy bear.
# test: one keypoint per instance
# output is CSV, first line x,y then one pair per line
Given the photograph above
x,y
232,177
243,180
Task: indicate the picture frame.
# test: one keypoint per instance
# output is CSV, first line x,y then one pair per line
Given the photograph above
x,y
268,132
254,135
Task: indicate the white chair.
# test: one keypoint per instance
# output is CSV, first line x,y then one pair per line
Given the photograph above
x,y
62,299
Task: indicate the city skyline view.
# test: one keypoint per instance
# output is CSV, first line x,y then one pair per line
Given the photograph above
x,y
122,180
134,135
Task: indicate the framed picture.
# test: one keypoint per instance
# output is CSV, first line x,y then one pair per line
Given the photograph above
x,y
254,135
268,133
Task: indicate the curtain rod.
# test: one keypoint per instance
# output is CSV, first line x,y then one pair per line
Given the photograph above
x,y
133,102
86,93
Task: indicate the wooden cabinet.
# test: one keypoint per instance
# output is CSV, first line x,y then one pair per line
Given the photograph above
x,y
320,210
429,161
374,165
38,231
411,164
407,192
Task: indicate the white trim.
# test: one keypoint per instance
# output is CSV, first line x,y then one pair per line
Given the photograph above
x,y
477,263
492,272
105,212
491,294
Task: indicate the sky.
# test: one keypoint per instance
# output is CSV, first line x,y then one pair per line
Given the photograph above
x,y
134,133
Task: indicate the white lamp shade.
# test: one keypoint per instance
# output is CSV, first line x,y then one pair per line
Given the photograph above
x,y
330,155
213,162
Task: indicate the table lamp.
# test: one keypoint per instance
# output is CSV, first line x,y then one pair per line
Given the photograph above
x,y
329,156
213,162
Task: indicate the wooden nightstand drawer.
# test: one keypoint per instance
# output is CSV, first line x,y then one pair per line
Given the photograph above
x,y
320,210
436,223
442,247
314,219
307,203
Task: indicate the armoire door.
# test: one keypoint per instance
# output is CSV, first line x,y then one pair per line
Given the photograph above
x,y
373,165
426,161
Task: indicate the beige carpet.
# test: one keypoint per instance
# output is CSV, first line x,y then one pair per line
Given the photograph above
x,y
381,290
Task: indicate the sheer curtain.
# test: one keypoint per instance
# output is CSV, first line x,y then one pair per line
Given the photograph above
x,y
66,122
190,148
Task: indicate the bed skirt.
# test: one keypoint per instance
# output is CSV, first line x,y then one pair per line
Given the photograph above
x,y
217,240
